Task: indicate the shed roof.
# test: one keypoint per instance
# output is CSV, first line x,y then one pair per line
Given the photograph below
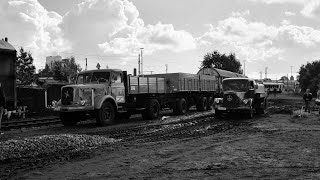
x,y
223,73
6,47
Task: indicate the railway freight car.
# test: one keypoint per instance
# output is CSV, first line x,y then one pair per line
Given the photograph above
x,y
8,92
20,101
111,93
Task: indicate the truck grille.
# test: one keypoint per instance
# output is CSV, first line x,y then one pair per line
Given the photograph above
x,y
67,96
231,100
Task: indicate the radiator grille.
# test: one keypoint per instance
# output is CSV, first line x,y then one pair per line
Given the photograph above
x,y
67,96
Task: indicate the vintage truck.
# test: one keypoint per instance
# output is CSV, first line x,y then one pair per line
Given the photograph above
x,y
241,95
111,94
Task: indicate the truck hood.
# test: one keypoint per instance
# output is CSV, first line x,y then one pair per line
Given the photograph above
x,y
85,86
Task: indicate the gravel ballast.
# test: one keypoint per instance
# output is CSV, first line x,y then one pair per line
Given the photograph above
x,y
50,144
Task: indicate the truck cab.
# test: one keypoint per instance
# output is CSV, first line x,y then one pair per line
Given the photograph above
x,y
240,95
97,92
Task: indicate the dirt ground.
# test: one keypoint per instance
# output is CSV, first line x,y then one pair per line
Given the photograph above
x,y
278,145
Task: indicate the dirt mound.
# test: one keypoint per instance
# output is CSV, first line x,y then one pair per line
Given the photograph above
x,y
281,110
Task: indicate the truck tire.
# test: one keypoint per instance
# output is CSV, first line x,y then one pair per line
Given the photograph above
x,y
106,114
210,103
152,110
181,107
202,104
217,114
68,119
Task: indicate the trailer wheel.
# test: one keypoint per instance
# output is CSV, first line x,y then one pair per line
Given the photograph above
x,y
210,103
181,106
106,114
68,119
152,110
202,104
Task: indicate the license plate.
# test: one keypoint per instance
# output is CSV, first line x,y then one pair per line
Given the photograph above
x,y
222,108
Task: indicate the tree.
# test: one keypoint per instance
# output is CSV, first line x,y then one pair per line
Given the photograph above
x,y
65,69
222,61
25,69
284,78
309,76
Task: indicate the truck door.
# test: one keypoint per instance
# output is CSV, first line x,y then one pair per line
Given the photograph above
x,y
117,87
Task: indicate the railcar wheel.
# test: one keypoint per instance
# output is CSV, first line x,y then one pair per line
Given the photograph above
x,y
68,119
106,114
202,104
152,110
181,106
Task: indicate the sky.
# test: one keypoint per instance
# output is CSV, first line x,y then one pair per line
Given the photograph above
x,y
277,35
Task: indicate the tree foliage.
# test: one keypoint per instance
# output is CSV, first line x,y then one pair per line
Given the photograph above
x,y
309,76
62,70
222,61
65,69
284,78
25,70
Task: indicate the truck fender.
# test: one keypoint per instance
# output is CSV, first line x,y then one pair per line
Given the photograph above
x,y
99,101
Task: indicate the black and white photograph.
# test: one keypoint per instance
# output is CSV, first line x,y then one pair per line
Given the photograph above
x,y
159,89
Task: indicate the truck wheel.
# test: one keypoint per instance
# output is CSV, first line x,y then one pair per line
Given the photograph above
x,y
181,106
217,114
152,111
106,114
68,119
202,104
210,103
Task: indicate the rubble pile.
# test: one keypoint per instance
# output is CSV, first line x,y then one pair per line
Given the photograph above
x,y
50,144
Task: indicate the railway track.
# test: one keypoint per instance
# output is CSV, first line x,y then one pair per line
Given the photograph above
x,y
30,122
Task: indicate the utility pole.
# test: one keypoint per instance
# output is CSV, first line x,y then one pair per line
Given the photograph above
x,y
141,61
244,67
86,63
261,75
166,68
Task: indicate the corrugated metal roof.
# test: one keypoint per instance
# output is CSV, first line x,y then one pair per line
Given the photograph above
x,y
6,47
223,73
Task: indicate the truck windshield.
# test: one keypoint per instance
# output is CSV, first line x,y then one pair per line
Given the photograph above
x,y
84,78
239,85
95,77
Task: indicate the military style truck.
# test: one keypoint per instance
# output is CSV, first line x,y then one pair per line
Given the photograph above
x,y
111,94
241,95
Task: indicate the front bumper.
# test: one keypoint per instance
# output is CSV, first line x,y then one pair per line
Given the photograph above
x,y
238,109
75,108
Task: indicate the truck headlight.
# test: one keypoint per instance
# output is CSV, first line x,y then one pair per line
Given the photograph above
x,y
82,102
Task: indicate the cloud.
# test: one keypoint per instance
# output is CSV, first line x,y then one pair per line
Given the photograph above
x,y
256,40
310,7
27,23
114,26
288,13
